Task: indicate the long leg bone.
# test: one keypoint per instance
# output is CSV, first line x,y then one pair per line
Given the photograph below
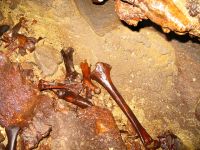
x,y
67,55
102,75
12,133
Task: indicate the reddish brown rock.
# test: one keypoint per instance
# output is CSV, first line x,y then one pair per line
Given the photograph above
x,y
18,97
38,127
22,105
90,129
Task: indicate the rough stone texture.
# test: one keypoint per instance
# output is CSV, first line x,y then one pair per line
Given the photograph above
x,y
193,7
17,96
101,18
158,75
47,58
38,127
90,129
170,15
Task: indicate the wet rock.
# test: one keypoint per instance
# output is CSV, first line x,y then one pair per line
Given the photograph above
x,y
47,58
18,97
92,128
19,100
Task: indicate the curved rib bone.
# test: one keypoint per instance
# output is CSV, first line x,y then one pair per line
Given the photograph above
x,y
102,75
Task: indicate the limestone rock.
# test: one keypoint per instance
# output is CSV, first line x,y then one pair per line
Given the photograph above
x,y
47,58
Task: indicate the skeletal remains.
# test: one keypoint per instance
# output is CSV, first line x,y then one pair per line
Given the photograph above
x,y
14,40
19,98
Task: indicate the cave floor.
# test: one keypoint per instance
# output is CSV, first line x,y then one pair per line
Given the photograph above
x,y
157,74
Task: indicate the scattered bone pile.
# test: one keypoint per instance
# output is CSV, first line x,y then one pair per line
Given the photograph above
x,y
23,106
36,117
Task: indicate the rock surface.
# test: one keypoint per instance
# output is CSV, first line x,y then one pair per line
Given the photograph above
x,y
89,129
47,58
101,18
17,96
170,15
157,74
